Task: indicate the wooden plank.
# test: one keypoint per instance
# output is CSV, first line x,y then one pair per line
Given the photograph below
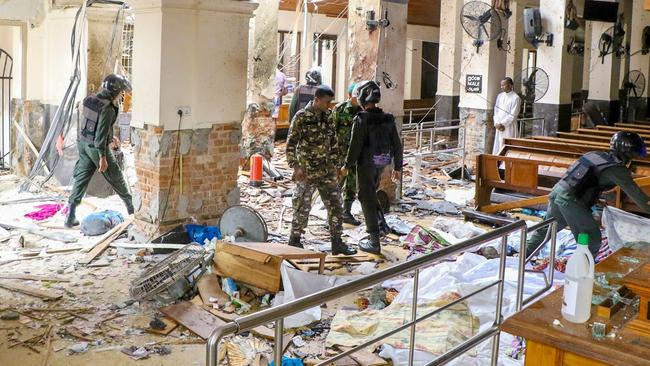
x,y
29,277
170,325
209,286
31,291
192,317
365,358
514,204
147,246
535,323
106,240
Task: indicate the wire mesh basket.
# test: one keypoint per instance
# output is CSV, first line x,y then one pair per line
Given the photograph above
x,y
173,277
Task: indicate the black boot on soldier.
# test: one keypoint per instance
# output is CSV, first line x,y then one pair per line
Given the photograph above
x,y
339,247
372,246
71,219
294,241
348,218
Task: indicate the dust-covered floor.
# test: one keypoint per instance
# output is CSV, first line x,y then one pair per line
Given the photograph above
x,y
93,320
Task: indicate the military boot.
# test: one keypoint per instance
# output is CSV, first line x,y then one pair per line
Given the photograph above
x,y
294,241
372,246
339,247
71,219
347,214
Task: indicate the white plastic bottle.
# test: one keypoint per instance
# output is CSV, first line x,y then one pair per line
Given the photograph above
x,y
579,283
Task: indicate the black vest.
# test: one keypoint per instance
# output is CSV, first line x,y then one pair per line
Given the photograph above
x,y
93,106
582,178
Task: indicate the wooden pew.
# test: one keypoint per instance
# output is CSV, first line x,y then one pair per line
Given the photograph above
x,y
615,129
531,167
633,125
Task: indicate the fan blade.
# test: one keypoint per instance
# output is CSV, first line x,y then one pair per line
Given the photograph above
x,y
637,78
487,34
470,17
636,95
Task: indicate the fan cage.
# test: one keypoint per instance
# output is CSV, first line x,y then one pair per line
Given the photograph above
x,y
178,265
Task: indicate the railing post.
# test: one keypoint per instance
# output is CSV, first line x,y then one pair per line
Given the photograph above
x,y
551,274
462,164
522,269
500,286
279,342
414,313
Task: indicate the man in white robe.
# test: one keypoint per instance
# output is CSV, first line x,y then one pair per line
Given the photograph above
x,y
506,110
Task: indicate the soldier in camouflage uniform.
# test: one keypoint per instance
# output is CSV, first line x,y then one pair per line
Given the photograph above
x,y
313,154
342,117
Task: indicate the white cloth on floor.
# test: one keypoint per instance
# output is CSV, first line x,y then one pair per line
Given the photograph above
x,y
506,110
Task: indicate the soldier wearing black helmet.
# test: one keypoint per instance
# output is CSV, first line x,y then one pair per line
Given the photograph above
x,y
573,196
95,143
305,93
375,145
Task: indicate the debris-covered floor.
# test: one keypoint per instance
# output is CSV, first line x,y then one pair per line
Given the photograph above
x,y
59,311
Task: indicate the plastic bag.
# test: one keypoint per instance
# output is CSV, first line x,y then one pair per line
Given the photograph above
x,y
623,227
99,223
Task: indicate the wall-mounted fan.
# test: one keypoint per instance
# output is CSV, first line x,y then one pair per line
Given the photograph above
x,y
531,84
481,22
634,86
575,48
611,41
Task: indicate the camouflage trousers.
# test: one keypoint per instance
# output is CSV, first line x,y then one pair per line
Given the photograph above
x,y
328,189
349,186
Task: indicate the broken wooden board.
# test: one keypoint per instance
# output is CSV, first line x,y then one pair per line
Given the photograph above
x,y
36,230
209,287
28,277
170,324
106,240
31,291
365,358
192,317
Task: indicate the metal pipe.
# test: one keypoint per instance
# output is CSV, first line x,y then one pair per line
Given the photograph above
x,y
414,312
269,315
463,347
279,343
406,325
500,286
522,270
212,347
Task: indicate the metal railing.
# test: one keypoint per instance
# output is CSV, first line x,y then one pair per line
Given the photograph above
x,y
522,123
277,314
551,226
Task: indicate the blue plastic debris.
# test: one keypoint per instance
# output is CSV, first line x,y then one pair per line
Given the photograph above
x,y
286,361
99,223
199,233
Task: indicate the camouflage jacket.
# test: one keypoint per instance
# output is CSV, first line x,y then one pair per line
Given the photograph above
x,y
312,143
342,118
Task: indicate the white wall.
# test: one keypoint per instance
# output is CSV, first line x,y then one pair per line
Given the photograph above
x,y
318,23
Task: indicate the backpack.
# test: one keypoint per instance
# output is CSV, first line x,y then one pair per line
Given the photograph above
x,y
380,127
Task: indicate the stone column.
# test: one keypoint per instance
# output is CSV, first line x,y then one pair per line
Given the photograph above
x,y
555,105
258,127
101,61
514,58
604,76
640,20
477,108
189,55
449,62
413,69
380,55
586,60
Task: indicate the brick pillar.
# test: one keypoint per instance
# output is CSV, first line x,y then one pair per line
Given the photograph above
x,y
187,167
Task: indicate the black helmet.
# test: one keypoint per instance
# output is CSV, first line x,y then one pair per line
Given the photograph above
x,y
368,92
115,84
314,77
627,145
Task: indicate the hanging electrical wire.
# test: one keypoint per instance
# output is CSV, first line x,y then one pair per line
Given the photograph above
x,y
62,120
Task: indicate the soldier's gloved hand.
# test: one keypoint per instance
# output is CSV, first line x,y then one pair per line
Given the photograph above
x,y
298,174
396,176
103,164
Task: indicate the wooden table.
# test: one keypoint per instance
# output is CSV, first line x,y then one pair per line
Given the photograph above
x,y
573,344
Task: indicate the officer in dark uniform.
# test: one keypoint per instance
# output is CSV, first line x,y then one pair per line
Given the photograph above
x,y
573,196
375,142
94,144
305,93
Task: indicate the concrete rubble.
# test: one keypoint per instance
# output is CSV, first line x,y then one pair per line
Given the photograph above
x,y
73,313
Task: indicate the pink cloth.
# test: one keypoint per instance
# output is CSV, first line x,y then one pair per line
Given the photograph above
x,y
45,211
